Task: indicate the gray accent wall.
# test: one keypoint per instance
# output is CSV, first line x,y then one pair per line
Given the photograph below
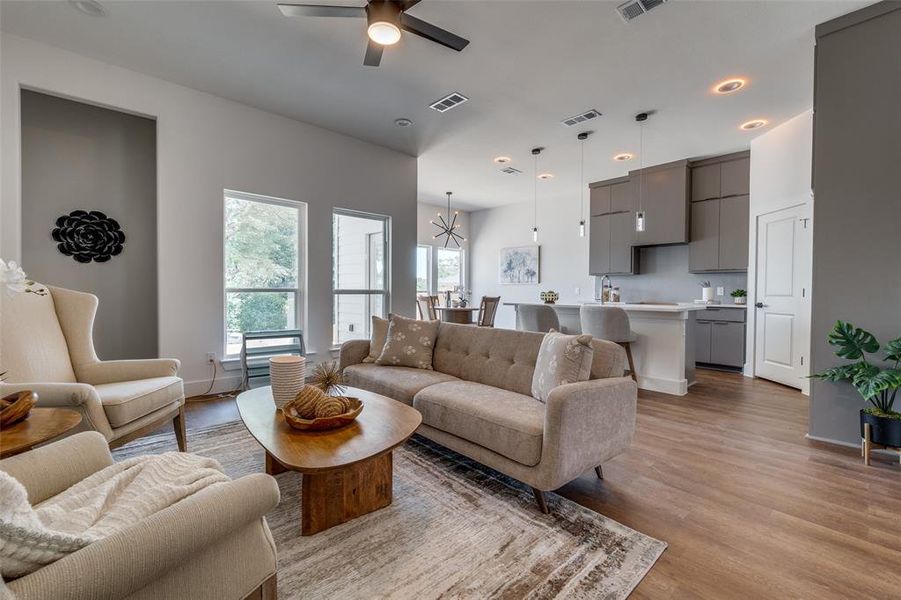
x,y
857,198
79,156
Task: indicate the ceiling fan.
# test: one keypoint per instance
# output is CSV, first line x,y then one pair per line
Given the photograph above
x,y
386,19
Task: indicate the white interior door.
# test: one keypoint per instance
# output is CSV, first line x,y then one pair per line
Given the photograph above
x,y
783,242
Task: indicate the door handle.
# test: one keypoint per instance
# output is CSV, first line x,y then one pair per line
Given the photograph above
x,y
760,305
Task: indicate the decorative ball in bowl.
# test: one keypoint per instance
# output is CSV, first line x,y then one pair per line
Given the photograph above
x,y
314,410
15,407
549,297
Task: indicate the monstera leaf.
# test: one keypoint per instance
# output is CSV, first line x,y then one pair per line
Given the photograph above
x,y
851,342
842,373
874,382
893,350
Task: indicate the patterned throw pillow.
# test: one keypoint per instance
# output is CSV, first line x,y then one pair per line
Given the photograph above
x,y
377,341
562,359
409,343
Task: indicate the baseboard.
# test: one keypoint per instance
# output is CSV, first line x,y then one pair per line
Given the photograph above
x,y
817,438
223,384
666,386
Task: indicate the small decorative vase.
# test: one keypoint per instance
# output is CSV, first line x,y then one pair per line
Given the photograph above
x,y
741,300
549,297
287,375
707,294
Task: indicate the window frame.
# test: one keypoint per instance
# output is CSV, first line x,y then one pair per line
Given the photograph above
x,y
385,292
461,283
299,291
428,268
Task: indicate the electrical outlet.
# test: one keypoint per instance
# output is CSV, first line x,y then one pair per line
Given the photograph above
x,y
211,357
720,291
577,290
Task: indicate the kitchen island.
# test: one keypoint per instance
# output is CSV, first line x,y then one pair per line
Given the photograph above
x,y
664,351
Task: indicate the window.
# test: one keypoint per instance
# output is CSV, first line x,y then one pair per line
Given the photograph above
x,y
360,248
450,269
423,269
264,245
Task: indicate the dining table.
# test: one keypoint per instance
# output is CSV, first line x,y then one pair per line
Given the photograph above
x,y
456,314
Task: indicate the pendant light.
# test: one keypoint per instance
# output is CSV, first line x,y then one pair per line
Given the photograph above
x,y
582,137
640,220
447,227
535,153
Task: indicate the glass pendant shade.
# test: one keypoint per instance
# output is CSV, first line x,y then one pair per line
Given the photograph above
x,y
582,228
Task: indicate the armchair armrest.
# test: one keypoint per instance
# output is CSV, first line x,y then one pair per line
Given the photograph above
x,y
352,353
48,470
78,396
112,371
587,423
123,563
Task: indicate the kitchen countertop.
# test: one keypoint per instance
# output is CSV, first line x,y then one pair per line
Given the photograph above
x,y
672,308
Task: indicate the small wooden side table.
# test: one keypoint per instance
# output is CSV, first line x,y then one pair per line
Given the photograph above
x,y
42,425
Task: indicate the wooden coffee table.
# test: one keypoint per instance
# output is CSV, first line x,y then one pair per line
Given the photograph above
x,y
41,425
347,472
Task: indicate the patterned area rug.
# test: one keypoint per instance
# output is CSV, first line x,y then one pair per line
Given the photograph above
x,y
456,529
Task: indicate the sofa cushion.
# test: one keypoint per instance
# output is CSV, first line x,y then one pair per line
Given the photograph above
x,y
608,360
129,400
409,343
400,383
506,422
562,359
377,341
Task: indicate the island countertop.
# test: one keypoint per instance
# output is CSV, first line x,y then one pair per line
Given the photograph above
x,y
676,307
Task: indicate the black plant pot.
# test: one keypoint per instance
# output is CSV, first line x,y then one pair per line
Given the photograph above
x,y
883,431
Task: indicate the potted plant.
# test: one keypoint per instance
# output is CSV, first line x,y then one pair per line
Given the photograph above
x,y
876,381
706,291
739,296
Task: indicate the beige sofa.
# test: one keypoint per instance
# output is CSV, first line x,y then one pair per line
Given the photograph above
x,y
213,545
477,401
46,346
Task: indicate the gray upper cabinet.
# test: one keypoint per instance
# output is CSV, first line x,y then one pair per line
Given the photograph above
x,y
600,200
703,251
621,196
735,178
662,192
599,245
705,182
622,232
733,233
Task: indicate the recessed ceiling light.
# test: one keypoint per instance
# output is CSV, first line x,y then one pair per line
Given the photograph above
x,y
754,124
729,86
92,8
502,160
384,33
403,122
623,156
545,176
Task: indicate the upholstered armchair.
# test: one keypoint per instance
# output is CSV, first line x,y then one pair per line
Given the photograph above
x,y
46,346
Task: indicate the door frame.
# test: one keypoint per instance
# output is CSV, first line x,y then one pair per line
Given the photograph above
x,y
806,275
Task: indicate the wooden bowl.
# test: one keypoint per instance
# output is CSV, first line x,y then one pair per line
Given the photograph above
x,y
297,422
15,407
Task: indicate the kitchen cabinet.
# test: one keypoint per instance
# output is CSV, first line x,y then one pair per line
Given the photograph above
x,y
735,178
719,235
599,245
610,248
703,251
662,193
705,182
600,200
721,177
621,196
623,257
720,337
733,233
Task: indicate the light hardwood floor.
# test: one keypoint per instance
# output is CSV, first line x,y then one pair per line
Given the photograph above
x,y
748,506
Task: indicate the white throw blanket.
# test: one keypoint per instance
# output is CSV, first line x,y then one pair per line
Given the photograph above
x,y
100,505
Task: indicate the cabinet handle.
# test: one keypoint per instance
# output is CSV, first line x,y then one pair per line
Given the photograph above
x,y
721,322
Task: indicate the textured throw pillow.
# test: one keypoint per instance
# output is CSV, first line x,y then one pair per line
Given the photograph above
x,y
409,343
562,359
377,341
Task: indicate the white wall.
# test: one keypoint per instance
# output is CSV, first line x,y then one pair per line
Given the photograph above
x,y
563,262
780,178
206,144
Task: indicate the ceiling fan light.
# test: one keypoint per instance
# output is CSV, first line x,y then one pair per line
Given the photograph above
x,y
384,33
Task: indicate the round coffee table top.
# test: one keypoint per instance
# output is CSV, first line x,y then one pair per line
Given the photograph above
x,y
41,425
383,425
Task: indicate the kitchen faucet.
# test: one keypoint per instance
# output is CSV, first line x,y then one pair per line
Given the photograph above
x,y
606,283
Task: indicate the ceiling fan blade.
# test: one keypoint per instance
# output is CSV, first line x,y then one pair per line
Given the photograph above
x,y
430,32
291,9
373,54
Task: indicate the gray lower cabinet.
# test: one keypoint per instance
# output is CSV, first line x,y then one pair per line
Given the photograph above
x,y
702,341
720,337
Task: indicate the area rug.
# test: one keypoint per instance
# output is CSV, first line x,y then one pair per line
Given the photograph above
x,y
456,529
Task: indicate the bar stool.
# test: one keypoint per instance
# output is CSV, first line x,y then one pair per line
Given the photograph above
x,y
609,323
537,317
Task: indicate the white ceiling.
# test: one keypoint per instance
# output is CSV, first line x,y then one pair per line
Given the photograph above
x,y
529,65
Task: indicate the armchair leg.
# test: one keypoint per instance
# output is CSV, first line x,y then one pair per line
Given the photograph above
x,y
539,498
179,424
268,590
600,471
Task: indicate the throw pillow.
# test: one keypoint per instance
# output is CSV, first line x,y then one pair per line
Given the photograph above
x,y
409,343
377,341
562,359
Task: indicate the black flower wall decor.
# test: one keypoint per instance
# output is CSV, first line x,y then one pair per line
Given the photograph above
x,y
88,235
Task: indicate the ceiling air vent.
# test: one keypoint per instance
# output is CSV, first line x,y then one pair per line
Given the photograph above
x,y
636,8
585,116
450,101
511,171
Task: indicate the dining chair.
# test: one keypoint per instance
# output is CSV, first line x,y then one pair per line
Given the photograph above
x,y
610,323
487,310
426,306
537,317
